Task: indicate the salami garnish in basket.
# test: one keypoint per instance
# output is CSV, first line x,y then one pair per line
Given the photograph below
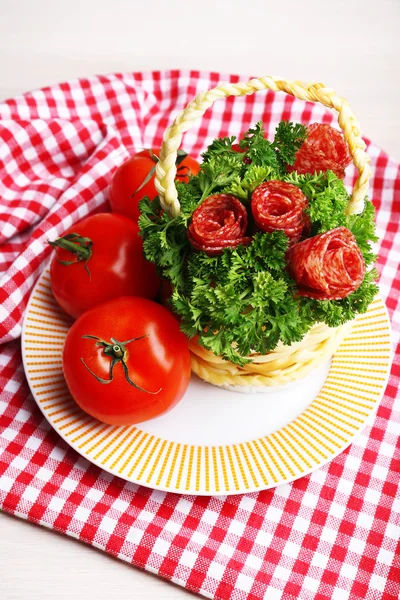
x,y
324,149
219,222
328,266
277,205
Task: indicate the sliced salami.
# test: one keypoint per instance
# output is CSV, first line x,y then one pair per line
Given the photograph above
x,y
324,149
328,266
219,222
279,205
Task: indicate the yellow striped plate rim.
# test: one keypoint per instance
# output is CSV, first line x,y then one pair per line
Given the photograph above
x,y
345,404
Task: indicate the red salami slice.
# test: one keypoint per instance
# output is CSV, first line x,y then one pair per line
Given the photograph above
x,y
279,205
219,222
328,266
324,149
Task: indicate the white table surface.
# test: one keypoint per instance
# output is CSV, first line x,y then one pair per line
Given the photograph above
x,y
352,45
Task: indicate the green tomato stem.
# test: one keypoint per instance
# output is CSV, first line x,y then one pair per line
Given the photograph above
x,y
78,246
118,353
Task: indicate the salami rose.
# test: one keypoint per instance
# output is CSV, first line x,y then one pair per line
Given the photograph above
x,y
279,205
219,222
328,266
324,149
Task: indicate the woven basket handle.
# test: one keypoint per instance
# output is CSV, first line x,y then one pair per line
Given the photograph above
x,y
315,92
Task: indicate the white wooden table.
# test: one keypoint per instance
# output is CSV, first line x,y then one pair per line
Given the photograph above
x,y
352,45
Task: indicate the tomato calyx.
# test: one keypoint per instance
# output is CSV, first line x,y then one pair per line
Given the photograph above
x,y
80,247
118,353
181,155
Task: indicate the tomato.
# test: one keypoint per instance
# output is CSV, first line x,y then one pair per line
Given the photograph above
x,y
104,260
134,179
125,361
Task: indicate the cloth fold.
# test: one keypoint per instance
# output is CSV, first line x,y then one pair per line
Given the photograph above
x,y
334,534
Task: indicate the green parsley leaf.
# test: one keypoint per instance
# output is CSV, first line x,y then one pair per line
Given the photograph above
x,y
327,199
289,137
189,195
364,230
219,147
165,240
259,150
218,172
338,312
243,187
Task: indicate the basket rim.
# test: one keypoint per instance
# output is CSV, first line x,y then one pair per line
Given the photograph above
x,y
312,92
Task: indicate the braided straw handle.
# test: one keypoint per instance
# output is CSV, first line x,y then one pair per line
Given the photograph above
x,y
315,92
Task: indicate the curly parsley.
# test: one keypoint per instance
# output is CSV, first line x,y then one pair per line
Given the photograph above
x,y
244,300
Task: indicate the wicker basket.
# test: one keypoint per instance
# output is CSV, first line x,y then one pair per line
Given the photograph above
x,y
285,363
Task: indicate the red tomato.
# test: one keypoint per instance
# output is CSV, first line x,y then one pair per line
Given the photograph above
x,y
127,183
125,361
116,267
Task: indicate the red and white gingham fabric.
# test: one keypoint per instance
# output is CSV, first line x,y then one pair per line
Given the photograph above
x,y
333,535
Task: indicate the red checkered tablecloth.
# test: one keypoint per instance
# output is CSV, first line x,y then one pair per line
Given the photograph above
x,y
333,535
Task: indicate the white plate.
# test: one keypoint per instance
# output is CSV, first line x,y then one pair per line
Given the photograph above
x,y
217,441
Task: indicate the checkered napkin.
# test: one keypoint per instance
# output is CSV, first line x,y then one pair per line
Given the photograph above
x,y
333,535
